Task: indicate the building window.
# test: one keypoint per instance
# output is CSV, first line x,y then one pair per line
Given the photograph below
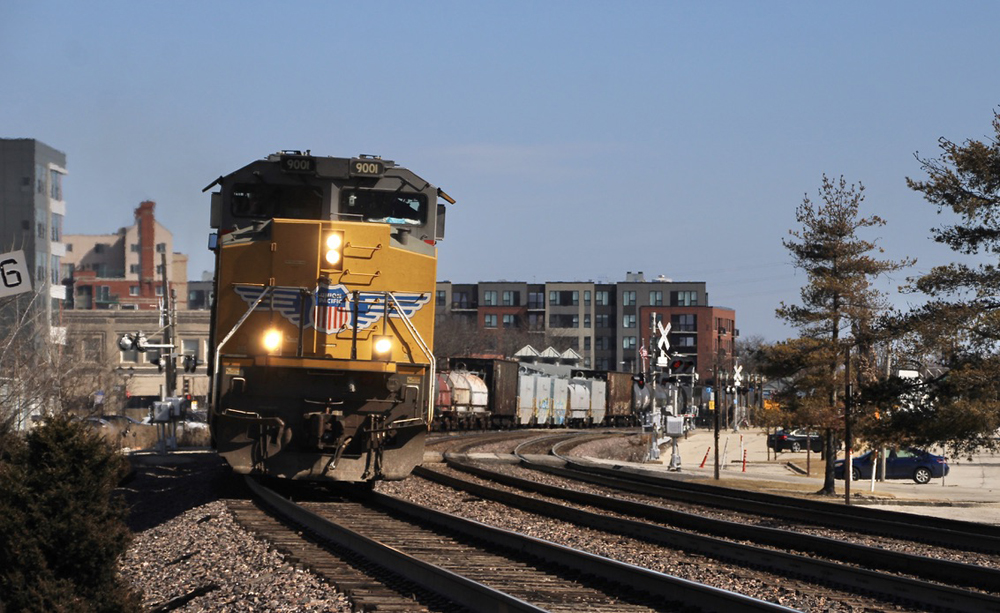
x,y
99,248
687,322
554,298
103,293
54,269
159,269
511,298
628,342
133,269
656,297
601,298
603,320
460,300
586,298
684,298
161,247
131,356
159,290
189,346
133,290
536,321
628,321
586,320
557,320
41,224
536,300
55,185
490,320
575,298
586,343
91,349
682,340
490,298
510,321
57,227
134,247
628,298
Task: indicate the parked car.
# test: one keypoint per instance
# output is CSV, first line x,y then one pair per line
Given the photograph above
x,y
795,440
907,463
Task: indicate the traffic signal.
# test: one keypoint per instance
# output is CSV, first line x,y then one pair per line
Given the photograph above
x,y
191,363
160,362
640,380
187,386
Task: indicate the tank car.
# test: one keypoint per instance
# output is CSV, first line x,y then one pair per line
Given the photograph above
x,y
323,317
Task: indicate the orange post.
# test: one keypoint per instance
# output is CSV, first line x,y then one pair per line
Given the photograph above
x,y
705,459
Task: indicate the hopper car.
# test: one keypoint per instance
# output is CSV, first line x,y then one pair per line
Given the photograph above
x,y
322,329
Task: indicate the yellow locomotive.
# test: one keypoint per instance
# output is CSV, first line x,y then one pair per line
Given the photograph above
x,y
323,317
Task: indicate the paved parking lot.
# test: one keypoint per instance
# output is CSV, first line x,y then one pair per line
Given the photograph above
x,y
970,491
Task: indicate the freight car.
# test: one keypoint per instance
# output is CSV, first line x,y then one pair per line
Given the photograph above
x,y
527,395
323,317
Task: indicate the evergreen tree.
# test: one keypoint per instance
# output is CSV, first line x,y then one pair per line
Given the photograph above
x,y
61,531
958,328
839,303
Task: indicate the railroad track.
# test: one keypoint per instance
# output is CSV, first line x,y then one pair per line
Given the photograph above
x,y
448,563
955,534
921,589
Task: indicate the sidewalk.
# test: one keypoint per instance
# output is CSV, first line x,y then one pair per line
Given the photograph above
x,y
970,491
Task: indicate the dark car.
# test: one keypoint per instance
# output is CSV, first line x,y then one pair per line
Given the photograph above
x,y
795,440
908,463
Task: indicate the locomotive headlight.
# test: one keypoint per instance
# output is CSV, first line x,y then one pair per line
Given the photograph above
x,y
272,340
382,346
334,249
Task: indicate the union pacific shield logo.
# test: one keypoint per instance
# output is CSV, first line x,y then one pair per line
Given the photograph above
x,y
332,307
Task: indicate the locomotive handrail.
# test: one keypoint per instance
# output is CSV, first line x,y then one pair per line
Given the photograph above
x,y
423,347
268,289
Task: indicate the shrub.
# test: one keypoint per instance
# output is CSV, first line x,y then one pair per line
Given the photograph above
x,y
62,532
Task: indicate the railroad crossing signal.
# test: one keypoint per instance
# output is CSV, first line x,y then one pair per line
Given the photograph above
x,y
663,345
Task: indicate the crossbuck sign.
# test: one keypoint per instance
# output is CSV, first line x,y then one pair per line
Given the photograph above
x,y
663,345
14,277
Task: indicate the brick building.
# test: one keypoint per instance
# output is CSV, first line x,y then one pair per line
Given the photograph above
x,y
126,269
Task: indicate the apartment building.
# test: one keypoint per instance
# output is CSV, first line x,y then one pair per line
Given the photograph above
x,y
32,208
613,326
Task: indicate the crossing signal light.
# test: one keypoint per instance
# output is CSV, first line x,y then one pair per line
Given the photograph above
x,y
160,362
681,366
191,363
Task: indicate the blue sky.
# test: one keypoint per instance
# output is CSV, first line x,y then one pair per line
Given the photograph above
x,y
581,139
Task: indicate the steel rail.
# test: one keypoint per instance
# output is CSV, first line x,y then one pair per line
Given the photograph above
x,y
445,583
820,571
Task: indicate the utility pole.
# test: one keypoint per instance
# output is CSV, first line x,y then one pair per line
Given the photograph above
x,y
169,333
848,401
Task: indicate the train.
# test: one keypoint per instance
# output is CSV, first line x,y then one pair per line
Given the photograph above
x,y
322,320
493,393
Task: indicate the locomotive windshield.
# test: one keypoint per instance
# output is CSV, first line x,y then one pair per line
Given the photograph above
x,y
284,201
399,208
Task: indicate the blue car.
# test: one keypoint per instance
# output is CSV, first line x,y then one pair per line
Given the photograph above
x,y
908,463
